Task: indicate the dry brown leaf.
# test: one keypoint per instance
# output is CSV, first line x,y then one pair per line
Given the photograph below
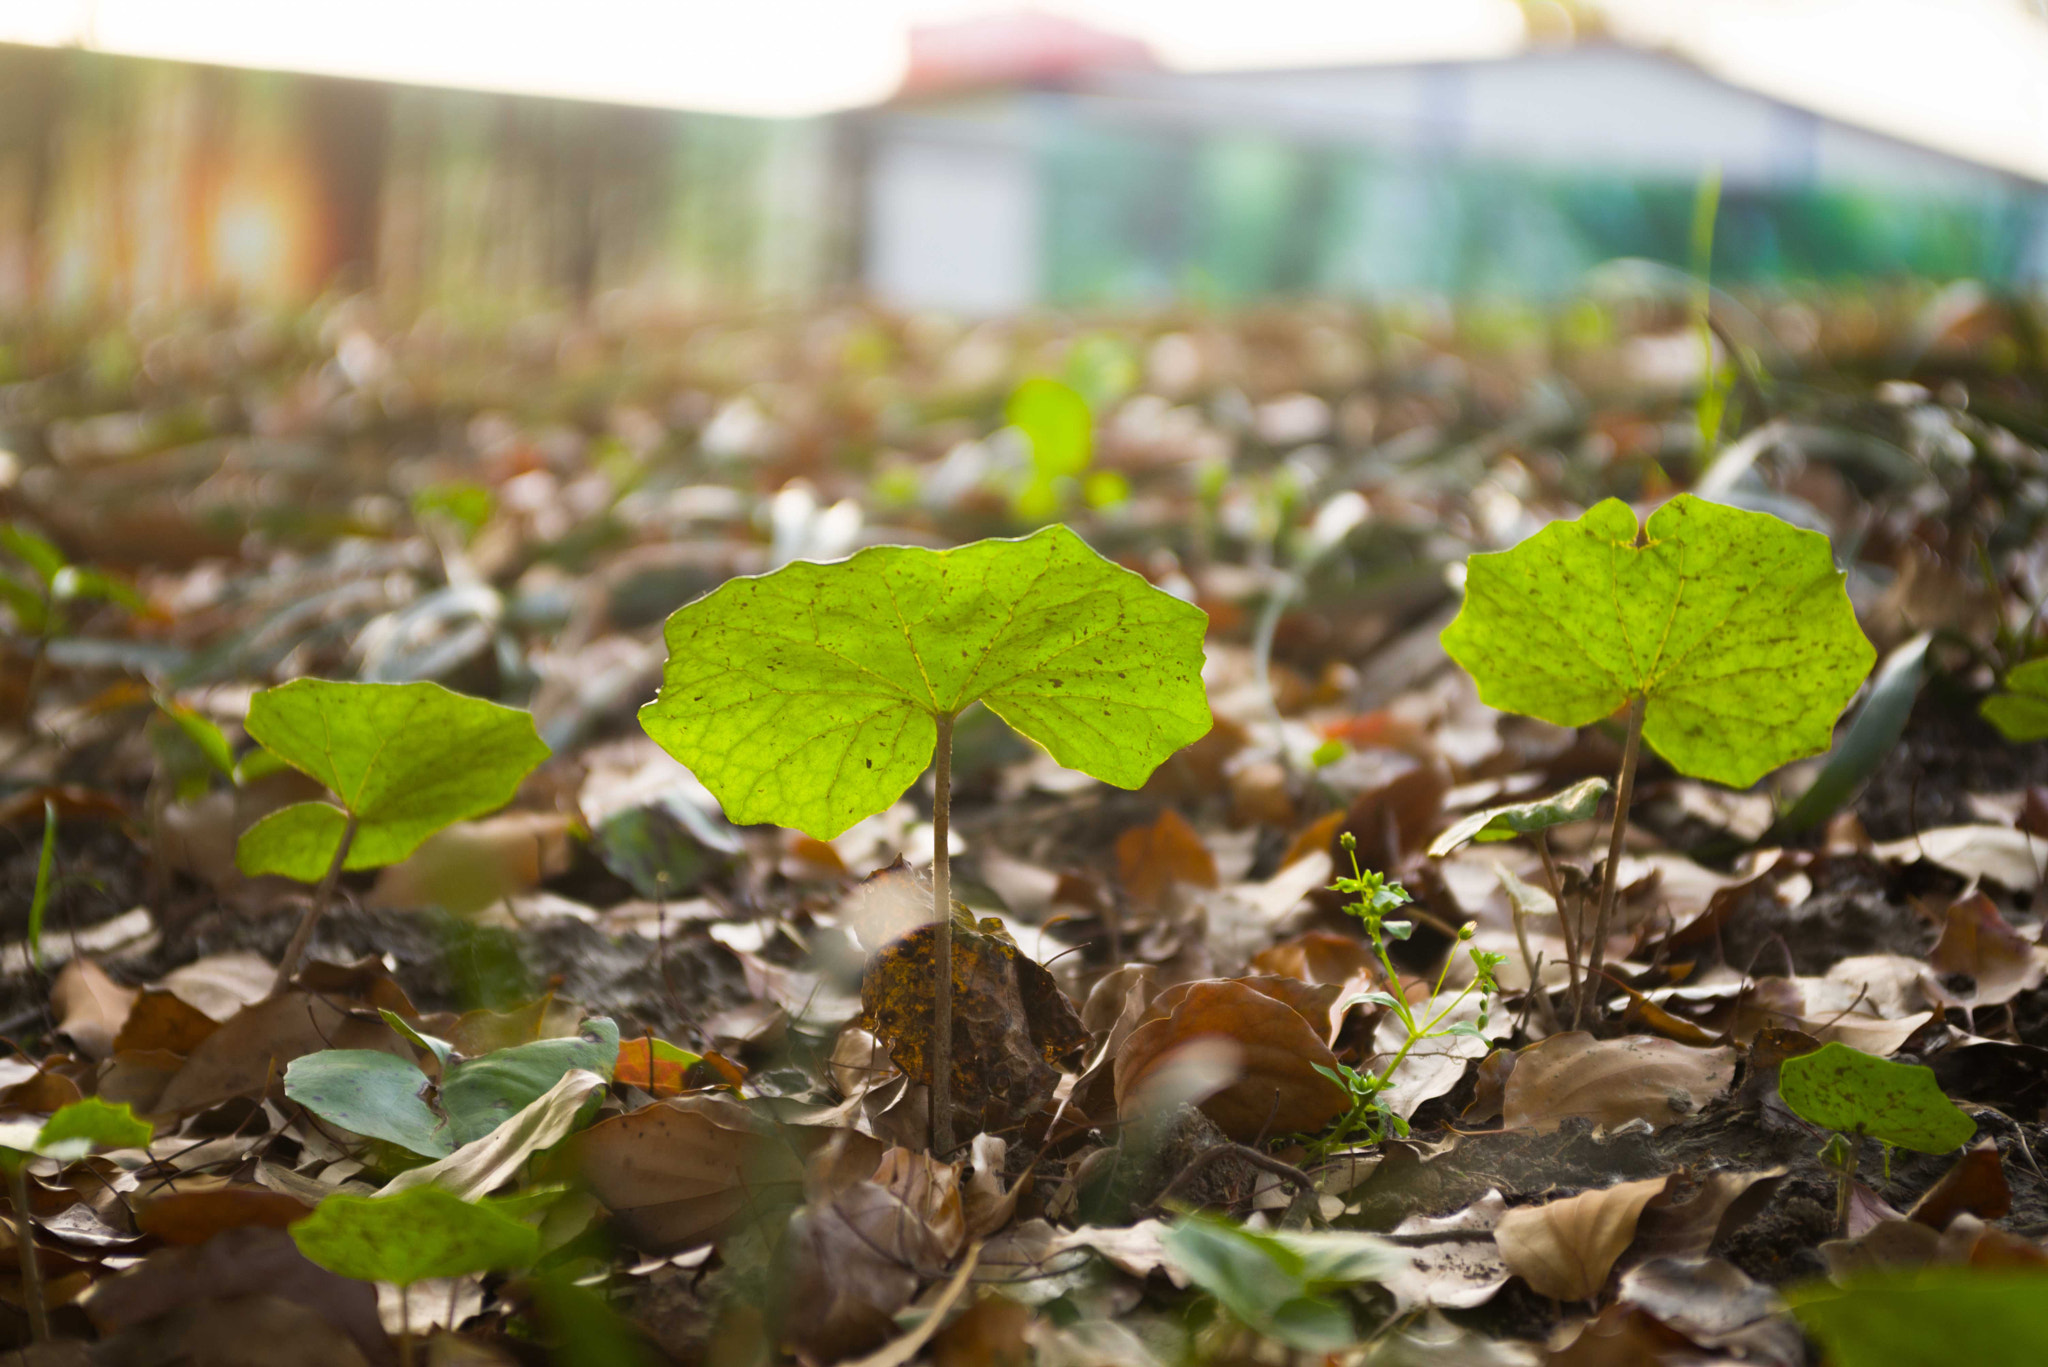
x,y
221,984
930,1190
166,1021
1319,956
472,864
1975,1185
1717,1307
1453,1261
90,1006
1977,941
1565,1249
195,1212
1688,1228
1434,1066
1397,819
1612,1081
251,1050
849,1264
989,1333
1151,859
1277,1090
681,1172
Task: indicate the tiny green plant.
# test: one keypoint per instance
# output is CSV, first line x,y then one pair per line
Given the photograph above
x,y
1857,1095
2020,712
1373,898
41,600
418,1234
814,696
1278,1284
405,760
1727,635
73,1132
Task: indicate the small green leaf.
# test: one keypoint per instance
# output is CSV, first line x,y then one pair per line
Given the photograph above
x,y
373,1094
441,1049
422,1232
1273,1282
1734,626
405,759
37,552
1929,1317
1058,424
204,734
808,697
31,613
2021,712
1898,1103
96,1124
482,1094
39,900
1576,803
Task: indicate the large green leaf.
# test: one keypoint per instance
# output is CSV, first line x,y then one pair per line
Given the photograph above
x,y
405,759
1733,625
2021,712
482,1094
1899,1103
807,697
370,1093
422,1232
1929,1317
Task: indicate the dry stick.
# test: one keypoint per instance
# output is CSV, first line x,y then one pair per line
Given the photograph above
x,y
31,1270
942,953
301,937
1286,1172
1624,790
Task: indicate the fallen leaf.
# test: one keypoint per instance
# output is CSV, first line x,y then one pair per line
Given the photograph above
x,y
1975,1185
163,1020
222,984
191,1216
1453,1260
466,867
849,1264
1717,1306
1977,941
89,1006
1434,1066
250,1051
1612,1081
483,1165
1564,1249
1688,1228
1277,1090
1151,859
681,1172
1319,957
930,1190
1999,853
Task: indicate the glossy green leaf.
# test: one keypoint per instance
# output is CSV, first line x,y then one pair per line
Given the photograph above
x,y
405,759
1733,625
2021,712
1576,803
807,697
441,1049
483,1093
1929,1317
421,1232
373,1094
1897,1103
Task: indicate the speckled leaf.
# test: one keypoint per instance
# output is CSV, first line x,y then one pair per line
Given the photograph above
x,y
407,759
1898,1103
1733,625
2021,712
808,697
1576,803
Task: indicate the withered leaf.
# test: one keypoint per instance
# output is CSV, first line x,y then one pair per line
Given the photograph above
x,y
1565,1249
1612,1081
1152,858
1277,1089
683,1171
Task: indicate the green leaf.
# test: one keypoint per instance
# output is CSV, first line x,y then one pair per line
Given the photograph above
x,y
807,697
93,1124
1272,1282
405,759
481,1094
39,900
1576,803
422,1232
37,552
1733,625
1929,1317
1898,1103
2021,712
31,614
373,1094
441,1049
1056,420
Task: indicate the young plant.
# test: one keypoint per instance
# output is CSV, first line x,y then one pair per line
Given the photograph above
x,y
1856,1095
814,696
2020,712
1375,897
1276,1284
72,1133
418,1234
405,760
1727,636
41,601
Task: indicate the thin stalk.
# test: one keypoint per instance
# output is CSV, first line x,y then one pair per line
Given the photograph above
x,y
405,1354
942,952
301,937
1624,791
1564,920
31,1270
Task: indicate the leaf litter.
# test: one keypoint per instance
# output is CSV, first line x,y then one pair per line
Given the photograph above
x,y
673,1070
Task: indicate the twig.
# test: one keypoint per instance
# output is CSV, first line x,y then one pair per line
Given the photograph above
x,y
31,1269
1624,791
1564,917
1265,1162
296,950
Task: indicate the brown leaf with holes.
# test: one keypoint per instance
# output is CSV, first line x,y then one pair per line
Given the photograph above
x,y
1277,1089
1977,941
1612,1081
1565,1249
1151,859
1013,1029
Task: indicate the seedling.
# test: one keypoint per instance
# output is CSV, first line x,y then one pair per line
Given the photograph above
x,y
1276,1284
381,1096
1056,421
405,760
73,1132
814,696
420,1233
1857,1094
41,600
1727,636
1375,898
2021,712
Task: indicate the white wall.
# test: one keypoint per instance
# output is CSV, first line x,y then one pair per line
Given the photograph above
x,y
952,216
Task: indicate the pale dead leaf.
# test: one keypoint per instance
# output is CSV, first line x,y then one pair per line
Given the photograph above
x,y
1612,1081
1999,853
1565,1249
90,1007
483,1165
1453,1260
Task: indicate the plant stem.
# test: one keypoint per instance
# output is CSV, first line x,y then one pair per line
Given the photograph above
x,y
31,1270
1564,920
1624,791
301,937
942,950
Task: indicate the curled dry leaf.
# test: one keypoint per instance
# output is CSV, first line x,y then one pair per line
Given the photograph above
x,y
1688,1227
90,1007
1976,1186
485,1164
849,1264
1612,1081
1565,1249
1717,1306
1977,941
1319,957
1151,859
681,1172
1277,1089
930,1190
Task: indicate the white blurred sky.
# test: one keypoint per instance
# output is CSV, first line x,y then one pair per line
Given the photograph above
x,y
1967,75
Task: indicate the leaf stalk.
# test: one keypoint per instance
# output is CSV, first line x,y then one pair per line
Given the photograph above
x,y
942,949
296,950
1610,884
